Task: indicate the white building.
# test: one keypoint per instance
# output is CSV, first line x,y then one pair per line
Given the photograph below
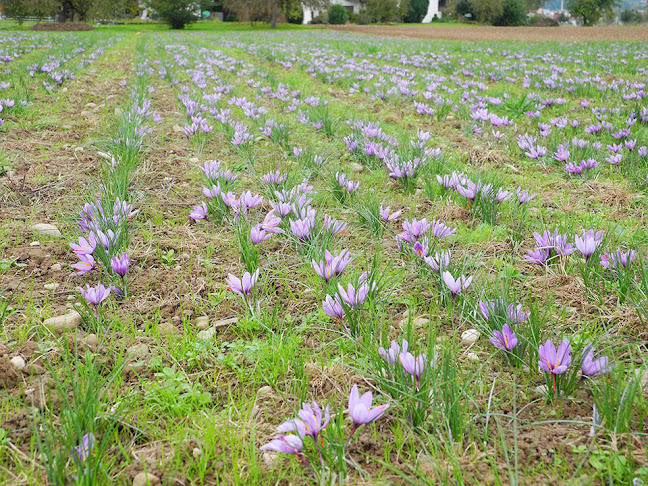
x,y
355,6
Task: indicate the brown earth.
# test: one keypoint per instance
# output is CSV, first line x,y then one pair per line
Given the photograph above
x,y
487,33
62,27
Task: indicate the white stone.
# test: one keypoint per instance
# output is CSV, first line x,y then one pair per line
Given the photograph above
x,y
18,362
91,340
209,333
269,459
470,336
202,322
542,389
178,129
57,267
46,229
65,322
35,243
52,286
472,357
356,167
138,351
146,479
194,160
421,321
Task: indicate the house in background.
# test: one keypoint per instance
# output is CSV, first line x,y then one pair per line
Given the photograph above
x,y
356,6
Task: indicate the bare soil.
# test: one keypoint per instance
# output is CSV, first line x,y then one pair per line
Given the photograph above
x,y
488,33
62,27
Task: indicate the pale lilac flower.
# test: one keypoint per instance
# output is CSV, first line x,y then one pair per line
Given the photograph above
x,y
384,214
199,212
85,264
506,340
392,354
458,285
245,285
440,261
85,246
553,361
333,307
594,367
360,409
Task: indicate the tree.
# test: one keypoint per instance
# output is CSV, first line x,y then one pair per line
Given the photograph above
x,y
176,13
386,10
337,15
487,11
514,12
630,17
417,11
590,11
21,9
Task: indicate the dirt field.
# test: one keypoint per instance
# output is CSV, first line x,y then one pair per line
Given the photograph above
x,y
485,33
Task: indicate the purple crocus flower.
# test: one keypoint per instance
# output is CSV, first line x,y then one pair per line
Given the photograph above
x,y
85,448
523,196
301,228
360,409
392,354
594,367
199,212
439,261
85,246
120,265
552,361
332,266
413,365
440,230
612,260
258,234
286,444
333,307
456,286
506,340
517,314
312,419
95,295
243,286
85,264
334,226
353,297
588,242
415,229
384,214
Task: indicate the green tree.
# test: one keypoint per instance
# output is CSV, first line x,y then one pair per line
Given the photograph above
x,y
386,10
176,13
514,12
416,12
487,11
337,15
590,11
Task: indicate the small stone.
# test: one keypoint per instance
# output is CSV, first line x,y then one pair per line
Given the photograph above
x,y
472,357
470,336
265,392
418,192
196,453
526,369
194,160
167,329
91,105
65,322
209,333
138,351
35,243
421,321
269,459
355,167
146,479
202,322
34,369
57,267
52,286
46,229
542,389
18,362
178,129
91,340
71,297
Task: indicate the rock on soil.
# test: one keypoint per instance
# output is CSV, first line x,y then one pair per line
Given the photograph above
x,y
18,362
145,479
138,351
470,336
63,323
46,229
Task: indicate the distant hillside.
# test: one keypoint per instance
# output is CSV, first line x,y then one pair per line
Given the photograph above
x,y
623,5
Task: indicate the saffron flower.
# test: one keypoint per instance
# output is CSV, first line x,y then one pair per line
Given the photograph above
x,y
120,265
85,448
332,266
588,242
360,409
506,340
456,286
85,264
612,260
440,261
594,367
245,285
199,212
333,307
95,295
85,246
552,361
286,444
413,365
311,418
392,354
384,214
